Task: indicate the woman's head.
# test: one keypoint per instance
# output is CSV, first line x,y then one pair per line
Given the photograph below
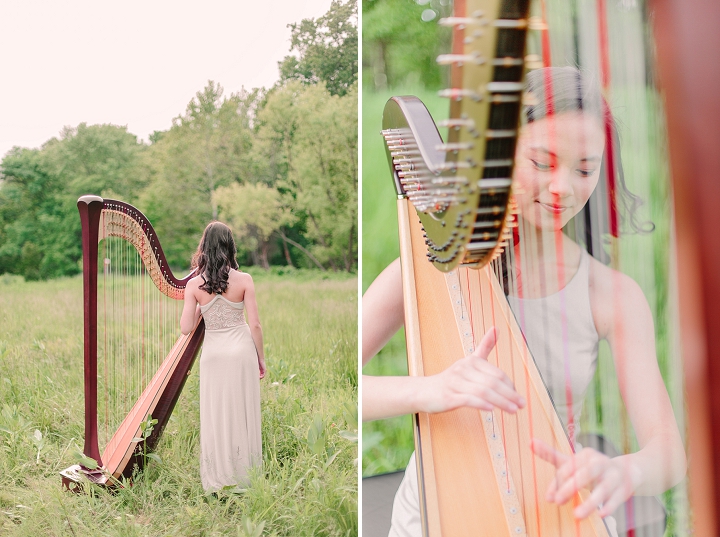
x,y
557,167
568,158
215,257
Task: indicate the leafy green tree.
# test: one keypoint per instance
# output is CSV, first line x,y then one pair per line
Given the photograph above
x,y
315,134
327,49
39,224
291,151
399,47
207,147
255,213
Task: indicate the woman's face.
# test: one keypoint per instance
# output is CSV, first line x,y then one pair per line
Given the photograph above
x,y
557,167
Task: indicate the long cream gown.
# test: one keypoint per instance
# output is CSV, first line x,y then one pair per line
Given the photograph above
x,y
230,441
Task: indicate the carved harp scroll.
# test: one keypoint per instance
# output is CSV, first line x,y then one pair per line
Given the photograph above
x,y
102,219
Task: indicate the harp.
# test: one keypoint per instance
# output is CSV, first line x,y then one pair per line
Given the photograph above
x,y
692,110
135,364
457,229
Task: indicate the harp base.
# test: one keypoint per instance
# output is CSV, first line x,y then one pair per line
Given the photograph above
x,y
75,475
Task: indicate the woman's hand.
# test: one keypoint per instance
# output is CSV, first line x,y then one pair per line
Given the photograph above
x,y
472,382
612,481
263,368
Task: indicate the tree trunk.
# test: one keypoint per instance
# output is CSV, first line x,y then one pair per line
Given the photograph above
x,y
350,258
322,239
286,250
264,249
302,249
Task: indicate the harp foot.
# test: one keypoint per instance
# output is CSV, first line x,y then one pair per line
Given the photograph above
x,y
75,475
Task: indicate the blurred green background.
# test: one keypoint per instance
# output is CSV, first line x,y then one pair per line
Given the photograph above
x,y
400,43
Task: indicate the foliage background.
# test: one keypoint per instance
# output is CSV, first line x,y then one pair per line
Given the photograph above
x,y
298,139
399,50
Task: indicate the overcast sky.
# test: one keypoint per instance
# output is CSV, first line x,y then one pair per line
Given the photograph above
x,y
131,62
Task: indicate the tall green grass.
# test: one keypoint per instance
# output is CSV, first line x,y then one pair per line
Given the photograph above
x,y
308,481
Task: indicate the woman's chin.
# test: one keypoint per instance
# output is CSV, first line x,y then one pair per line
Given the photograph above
x,y
544,222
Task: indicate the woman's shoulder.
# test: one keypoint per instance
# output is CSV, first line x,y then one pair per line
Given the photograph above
x,y
612,291
240,278
240,275
194,283
606,279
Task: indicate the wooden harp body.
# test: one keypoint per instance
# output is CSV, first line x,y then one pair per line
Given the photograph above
x,y
477,472
140,339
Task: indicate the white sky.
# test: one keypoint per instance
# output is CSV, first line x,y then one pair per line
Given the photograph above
x,y
131,62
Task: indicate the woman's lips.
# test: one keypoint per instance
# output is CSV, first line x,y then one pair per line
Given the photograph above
x,y
552,208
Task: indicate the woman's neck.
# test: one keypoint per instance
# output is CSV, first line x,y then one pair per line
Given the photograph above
x,y
545,261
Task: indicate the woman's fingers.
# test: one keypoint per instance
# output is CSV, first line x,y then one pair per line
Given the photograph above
x,y
584,470
583,477
598,496
548,453
488,386
588,461
554,457
474,382
615,501
486,344
486,398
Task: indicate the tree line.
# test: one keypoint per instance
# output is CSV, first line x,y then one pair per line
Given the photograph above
x,y
278,165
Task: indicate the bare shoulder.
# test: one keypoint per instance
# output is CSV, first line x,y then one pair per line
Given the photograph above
x,y
241,277
193,284
240,284
613,293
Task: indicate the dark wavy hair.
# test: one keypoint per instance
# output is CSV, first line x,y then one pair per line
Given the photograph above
x,y
215,257
572,91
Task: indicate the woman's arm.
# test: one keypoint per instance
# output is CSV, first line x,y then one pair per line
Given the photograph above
x,y
382,311
630,331
622,315
191,309
253,320
471,381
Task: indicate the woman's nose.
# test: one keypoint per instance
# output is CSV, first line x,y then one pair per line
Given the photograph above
x,y
560,182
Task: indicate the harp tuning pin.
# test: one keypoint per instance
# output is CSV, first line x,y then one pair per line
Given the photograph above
x,y
529,99
533,61
536,23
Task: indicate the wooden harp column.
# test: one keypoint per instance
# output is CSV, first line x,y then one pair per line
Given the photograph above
x,y
687,44
101,219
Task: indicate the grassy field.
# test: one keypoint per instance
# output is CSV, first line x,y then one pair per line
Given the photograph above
x,y
308,481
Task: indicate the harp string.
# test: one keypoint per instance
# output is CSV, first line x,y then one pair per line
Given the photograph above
x,y
138,328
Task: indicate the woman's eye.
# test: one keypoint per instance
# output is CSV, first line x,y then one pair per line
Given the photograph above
x,y
541,166
585,173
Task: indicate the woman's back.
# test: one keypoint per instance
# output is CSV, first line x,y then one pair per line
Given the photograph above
x,y
237,285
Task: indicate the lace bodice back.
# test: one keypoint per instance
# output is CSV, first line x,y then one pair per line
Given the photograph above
x,y
220,313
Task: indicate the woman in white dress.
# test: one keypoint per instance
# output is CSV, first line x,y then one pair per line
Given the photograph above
x,y
231,364
559,156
